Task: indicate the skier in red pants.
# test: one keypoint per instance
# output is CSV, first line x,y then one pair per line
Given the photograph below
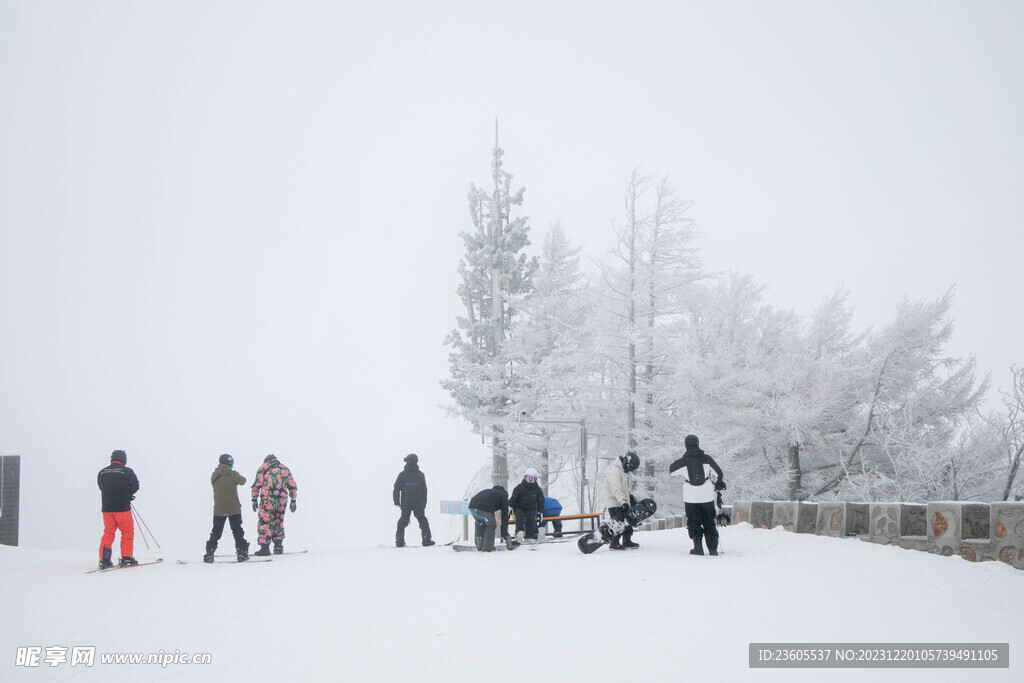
x,y
118,485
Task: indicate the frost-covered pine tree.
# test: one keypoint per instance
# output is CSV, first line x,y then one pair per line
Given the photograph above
x,y
496,275
914,400
552,349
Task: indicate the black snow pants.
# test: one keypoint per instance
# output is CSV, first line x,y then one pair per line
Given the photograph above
x,y
218,529
403,522
700,522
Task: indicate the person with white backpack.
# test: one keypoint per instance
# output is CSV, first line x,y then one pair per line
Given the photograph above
x,y
699,489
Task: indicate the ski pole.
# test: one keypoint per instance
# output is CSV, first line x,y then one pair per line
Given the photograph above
x,y
141,532
146,526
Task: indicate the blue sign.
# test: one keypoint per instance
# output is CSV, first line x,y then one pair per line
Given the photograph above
x,y
454,507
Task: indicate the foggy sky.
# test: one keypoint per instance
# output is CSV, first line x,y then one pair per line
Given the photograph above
x,y
235,228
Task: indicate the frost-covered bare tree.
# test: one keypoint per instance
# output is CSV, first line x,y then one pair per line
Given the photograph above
x,y
645,291
966,468
496,275
1013,431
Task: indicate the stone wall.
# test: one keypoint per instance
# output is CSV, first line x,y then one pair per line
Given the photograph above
x,y
977,532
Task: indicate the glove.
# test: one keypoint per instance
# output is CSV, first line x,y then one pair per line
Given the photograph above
x,y
632,499
540,517
255,505
292,506
720,485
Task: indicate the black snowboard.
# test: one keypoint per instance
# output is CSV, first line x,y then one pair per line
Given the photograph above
x,y
588,543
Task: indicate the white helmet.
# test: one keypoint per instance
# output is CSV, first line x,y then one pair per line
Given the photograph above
x,y
530,474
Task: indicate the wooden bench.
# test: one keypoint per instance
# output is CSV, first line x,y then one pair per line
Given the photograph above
x,y
594,518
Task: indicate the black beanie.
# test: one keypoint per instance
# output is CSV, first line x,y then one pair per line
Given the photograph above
x,y
270,458
119,456
691,441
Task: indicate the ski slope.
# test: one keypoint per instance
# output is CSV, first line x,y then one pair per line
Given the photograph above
x,y
553,614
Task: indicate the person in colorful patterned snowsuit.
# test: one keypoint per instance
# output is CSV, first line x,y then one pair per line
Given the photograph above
x,y
118,485
270,491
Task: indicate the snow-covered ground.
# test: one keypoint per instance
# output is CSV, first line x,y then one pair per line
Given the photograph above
x,y
549,614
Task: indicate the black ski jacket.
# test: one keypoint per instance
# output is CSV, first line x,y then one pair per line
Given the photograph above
x,y
411,487
492,500
528,497
694,460
117,486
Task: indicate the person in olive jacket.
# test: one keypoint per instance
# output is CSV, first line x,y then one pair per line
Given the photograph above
x,y
410,495
227,507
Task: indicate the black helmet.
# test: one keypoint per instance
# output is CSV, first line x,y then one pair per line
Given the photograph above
x,y
412,458
226,460
630,461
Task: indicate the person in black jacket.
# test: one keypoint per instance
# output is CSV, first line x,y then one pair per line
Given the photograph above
x,y
411,495
482,507
699,489
527,502
118,485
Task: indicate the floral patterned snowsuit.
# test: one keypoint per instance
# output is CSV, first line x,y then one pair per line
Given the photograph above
x,y
273,484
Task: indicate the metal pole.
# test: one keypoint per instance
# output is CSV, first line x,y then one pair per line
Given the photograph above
x,y
136,513
140,531
582,425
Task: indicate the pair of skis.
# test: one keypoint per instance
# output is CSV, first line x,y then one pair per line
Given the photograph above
x,y
130,566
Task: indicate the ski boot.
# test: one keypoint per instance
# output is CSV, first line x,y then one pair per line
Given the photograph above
x,y
264,550
278,547
698,548
615,545
627,539
105,562
427,542
127,562
242,552
211,547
